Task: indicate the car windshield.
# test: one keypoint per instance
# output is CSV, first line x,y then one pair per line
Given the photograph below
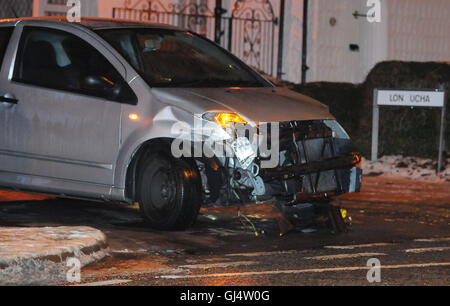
x,y
174,58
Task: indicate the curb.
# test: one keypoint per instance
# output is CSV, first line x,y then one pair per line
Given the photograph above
x,y
39,255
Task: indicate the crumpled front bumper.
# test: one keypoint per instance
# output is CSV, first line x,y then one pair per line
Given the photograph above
x,y
339,175
314,165
340,162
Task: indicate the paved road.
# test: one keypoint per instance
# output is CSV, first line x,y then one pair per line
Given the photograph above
x,y
404,224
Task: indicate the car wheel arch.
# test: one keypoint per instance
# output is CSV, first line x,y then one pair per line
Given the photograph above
x,y
139,156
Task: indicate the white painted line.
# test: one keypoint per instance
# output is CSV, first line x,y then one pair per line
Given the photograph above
x,y
320,270
432,239
344,256
220,265
423,250
106,283
256,254
351,247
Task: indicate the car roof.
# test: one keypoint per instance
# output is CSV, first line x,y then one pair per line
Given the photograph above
x,y
96,23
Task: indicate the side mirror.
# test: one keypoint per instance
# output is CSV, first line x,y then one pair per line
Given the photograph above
x,y
101,86
115,91
97,83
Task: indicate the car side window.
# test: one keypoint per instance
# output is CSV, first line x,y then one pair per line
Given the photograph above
x,y
5,35
59,60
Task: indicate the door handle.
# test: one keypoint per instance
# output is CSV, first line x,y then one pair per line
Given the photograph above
x,y
9,99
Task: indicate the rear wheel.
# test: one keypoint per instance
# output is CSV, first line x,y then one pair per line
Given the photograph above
x,y
169,192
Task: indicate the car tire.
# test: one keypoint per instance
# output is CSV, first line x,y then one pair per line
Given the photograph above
x,y
169,192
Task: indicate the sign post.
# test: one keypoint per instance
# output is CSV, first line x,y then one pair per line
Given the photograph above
x,y
442,133
409,98
375,126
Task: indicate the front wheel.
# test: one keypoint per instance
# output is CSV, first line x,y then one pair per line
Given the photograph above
x,y
169,192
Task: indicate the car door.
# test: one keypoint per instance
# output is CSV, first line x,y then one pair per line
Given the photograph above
x,y
65,125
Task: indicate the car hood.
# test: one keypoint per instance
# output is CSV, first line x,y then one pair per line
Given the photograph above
x,y
255,104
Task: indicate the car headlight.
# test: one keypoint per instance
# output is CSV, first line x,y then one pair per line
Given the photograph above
x,y
223,119
337,129
243,149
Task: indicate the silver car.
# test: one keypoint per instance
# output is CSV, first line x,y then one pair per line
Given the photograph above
x,y
118,111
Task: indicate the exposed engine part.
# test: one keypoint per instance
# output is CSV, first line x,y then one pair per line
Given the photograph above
x,y
248,180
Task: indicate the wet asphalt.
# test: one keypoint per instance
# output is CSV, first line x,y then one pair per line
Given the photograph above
x,y
403,225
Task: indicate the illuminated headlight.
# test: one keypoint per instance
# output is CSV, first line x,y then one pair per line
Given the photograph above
x,y
223,119
337,129
243,150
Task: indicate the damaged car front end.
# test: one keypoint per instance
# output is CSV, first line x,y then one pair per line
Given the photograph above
x,y
242,140
296,165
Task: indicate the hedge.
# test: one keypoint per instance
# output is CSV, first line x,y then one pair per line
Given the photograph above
x,y
403,130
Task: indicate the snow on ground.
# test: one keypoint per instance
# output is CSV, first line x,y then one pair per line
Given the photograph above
x,y
408,167
39,255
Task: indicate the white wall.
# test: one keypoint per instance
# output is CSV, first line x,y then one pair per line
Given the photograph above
x,y
410,30
105,7
89,8
419,30
292,41
329,54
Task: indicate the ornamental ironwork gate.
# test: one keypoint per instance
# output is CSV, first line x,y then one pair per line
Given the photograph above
x,y
249,30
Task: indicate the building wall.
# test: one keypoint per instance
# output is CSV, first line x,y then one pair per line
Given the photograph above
x,y
419,30
292,41
89,8
410,30
332,31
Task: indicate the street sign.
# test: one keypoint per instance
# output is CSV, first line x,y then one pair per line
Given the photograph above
x,y
409,98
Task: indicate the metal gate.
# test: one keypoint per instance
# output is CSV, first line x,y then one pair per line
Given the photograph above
x,y
249,30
